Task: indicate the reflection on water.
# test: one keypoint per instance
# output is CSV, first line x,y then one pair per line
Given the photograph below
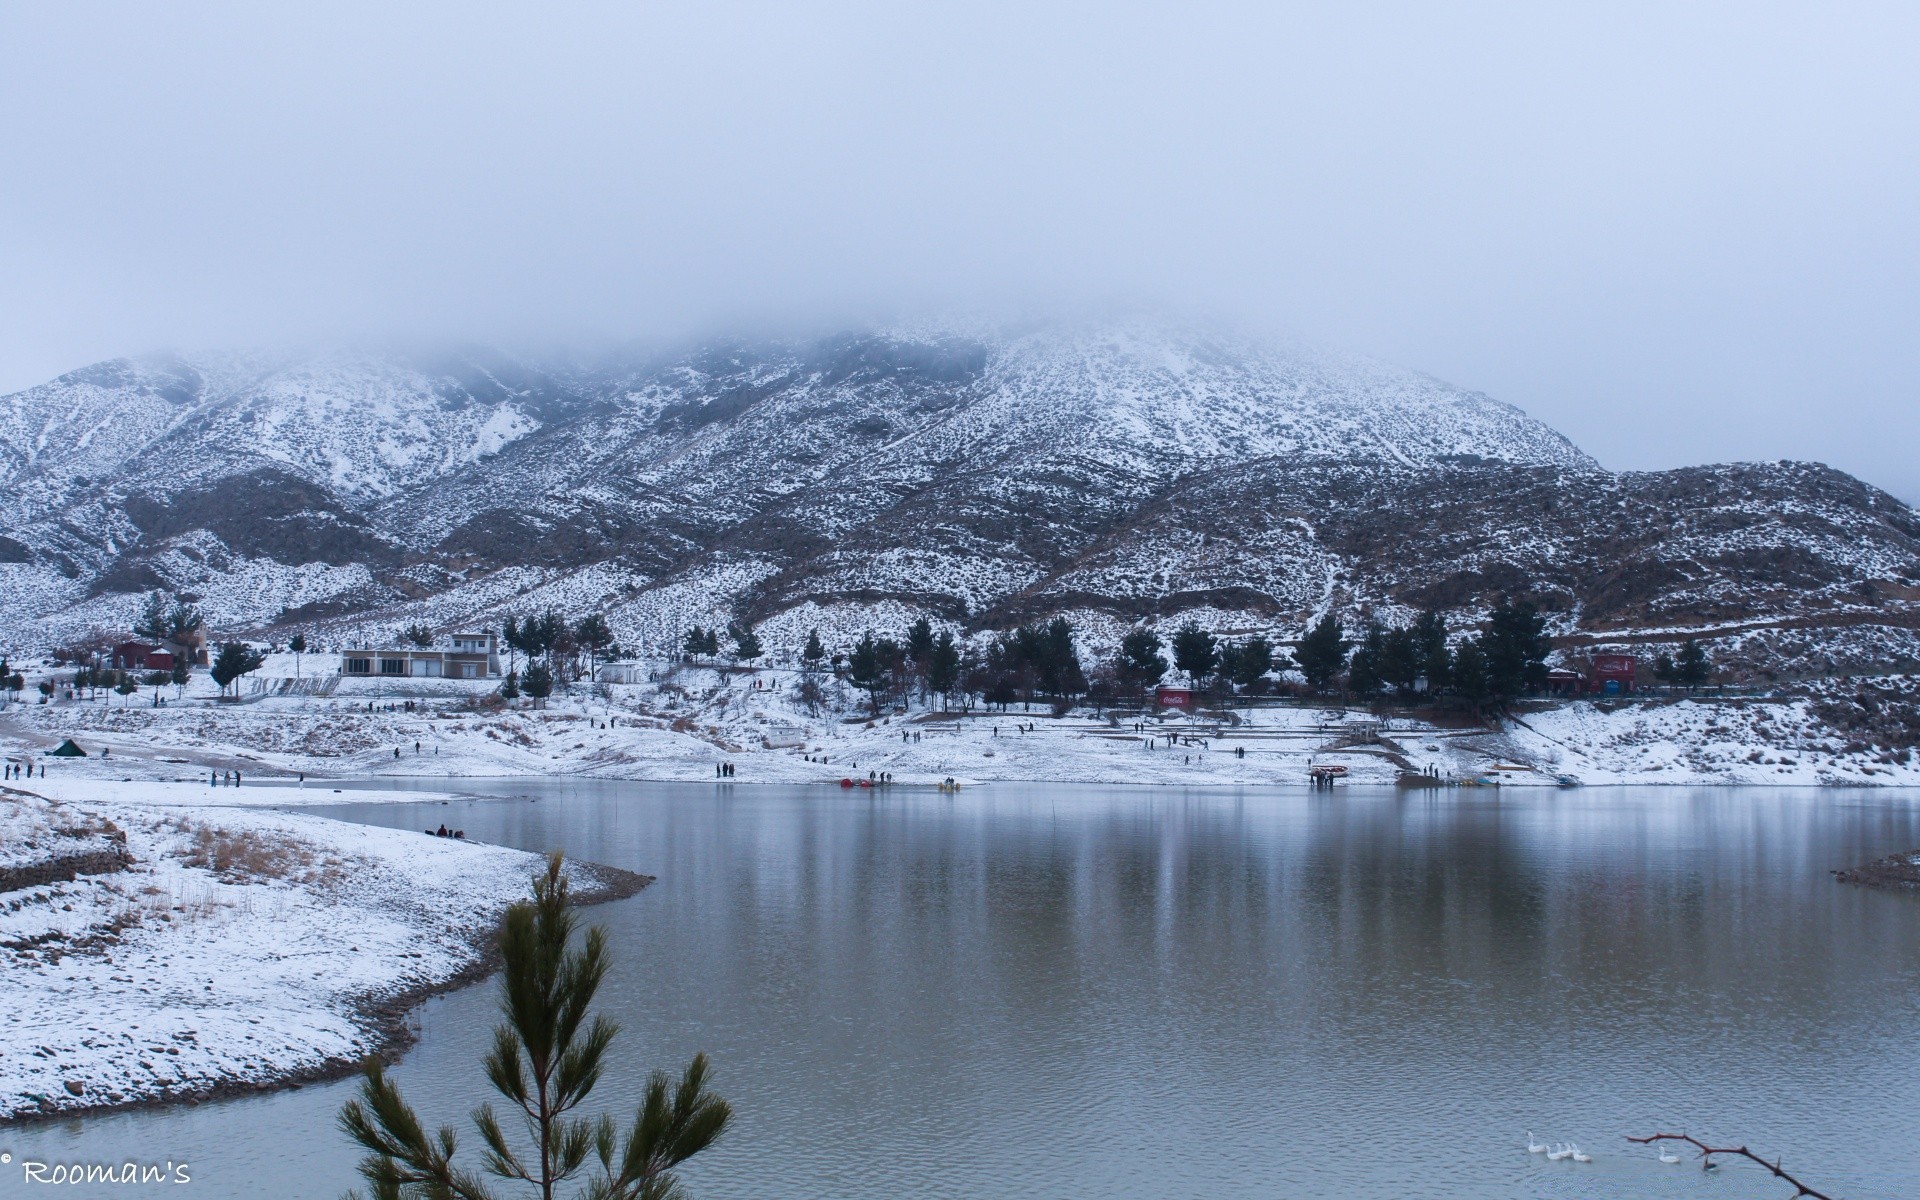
x,y
1048,991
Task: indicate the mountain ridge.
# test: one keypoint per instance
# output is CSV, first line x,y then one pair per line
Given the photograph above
x,y
1127,472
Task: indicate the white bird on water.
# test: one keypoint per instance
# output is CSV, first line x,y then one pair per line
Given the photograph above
x,y
1559,1152
1581,1156
1667,1156
1534,1147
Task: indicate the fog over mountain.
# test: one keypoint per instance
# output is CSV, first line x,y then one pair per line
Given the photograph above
x,y
1122,471
1677,234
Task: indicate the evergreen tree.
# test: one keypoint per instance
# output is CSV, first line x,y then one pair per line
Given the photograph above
x,y
1322,653
1140,665
1470,672
694,645
234,660
537,681
419,635
867,668
510,635
943,665
746,643
546,1059
1194,651
1227,664
813,654
920,641
592,634
1252,660
1516,647
181,673
1059,666
1430,642
183,626
1691,669
1664,670
1400,659
1364,677
510,686
151,624
298,644
126,688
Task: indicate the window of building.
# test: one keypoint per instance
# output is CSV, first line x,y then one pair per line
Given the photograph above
x,y
393,666
359,666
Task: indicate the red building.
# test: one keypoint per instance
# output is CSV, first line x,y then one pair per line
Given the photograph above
x,y
1173,697
138,656
1610,674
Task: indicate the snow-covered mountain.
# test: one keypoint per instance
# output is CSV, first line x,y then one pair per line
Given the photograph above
x,y
1127,471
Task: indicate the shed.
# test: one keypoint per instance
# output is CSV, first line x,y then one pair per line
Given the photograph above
x,y
67,749
1173,697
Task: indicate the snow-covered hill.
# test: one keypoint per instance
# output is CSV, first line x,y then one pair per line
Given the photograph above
x,y
1127,471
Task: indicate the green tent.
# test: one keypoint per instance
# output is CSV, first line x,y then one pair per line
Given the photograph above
x,y
68,750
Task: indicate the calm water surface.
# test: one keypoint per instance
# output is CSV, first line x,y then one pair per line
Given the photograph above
x,y
1087,992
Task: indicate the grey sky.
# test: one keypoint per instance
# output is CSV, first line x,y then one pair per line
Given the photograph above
x,y
1677,232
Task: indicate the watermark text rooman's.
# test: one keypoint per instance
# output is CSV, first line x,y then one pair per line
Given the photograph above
x,y
126,1171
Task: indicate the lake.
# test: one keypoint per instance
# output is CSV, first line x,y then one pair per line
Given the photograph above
x,y
1125,992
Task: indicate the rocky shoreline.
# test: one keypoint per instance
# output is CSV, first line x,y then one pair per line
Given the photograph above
x,y
1895,872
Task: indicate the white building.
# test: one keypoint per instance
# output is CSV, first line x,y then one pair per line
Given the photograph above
x,y
455,656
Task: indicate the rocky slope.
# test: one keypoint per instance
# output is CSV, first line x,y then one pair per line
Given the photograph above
x,y
1126,472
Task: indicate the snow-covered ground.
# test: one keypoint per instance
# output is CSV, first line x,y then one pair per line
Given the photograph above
x,y
234,948
685,721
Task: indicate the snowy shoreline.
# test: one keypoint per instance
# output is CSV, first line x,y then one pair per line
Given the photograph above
x,y
689,721
237,950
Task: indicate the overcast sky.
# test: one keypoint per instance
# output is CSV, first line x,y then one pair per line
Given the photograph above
x,y
1679,233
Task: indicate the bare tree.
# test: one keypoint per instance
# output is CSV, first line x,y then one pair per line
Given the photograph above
x,y
1707,1152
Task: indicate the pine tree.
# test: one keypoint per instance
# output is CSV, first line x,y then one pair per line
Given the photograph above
x,y
234,660
920,641
813,654
694,644
1430,640
1516,646
1140,665
152,622
1364,678
591,634
867,668
547,1057
1470,672
746,643
1400,659
1251,662
1059,667
510,686
298,644
943,665
1194,652
537,681
1322,653
1691,669
419,635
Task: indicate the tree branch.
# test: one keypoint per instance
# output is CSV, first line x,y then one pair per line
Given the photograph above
x,y
1707,1152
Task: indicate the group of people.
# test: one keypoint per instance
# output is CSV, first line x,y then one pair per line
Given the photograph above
x,y
910,735
14,770
723,770
227,778
443,831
